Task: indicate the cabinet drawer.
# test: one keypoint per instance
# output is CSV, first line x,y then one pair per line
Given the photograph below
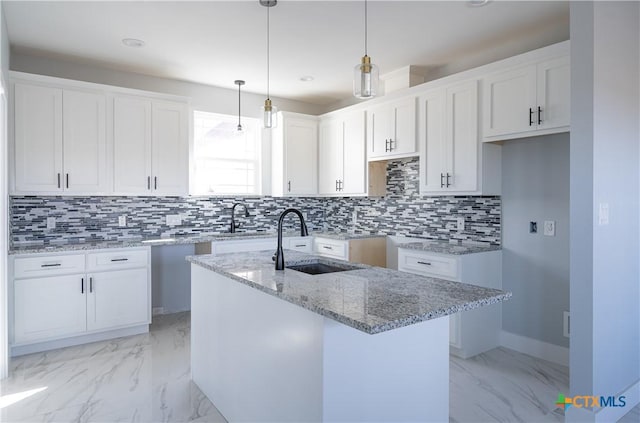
x,y
113,260
304,245
428,265
242,246
330,248
33,267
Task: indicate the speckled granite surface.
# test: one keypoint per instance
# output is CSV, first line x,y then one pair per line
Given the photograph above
x,y
31,248
137,242
443,247
370,299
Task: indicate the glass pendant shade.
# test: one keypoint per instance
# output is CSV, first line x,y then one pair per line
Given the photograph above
x,y
365,79
269,115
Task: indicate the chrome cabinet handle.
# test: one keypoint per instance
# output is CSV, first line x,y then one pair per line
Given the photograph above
x,y
289,186
155,182
120,259
91,284
391,142
148,182
326,247
301,245
448,176
442,180
59,181
82,286
51,265
67,180
426,263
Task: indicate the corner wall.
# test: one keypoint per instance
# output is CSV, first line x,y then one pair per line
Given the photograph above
x,y
535,267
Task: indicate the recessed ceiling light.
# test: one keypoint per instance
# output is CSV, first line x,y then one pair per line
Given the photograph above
x,y
132,42
477,3
306,78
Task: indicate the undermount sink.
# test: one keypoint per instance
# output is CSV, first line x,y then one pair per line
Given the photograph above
x,y
320,268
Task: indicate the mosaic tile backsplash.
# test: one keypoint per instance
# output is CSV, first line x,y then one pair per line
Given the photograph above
x,y
401,212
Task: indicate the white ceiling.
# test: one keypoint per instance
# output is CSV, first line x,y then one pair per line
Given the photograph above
x,y
217,42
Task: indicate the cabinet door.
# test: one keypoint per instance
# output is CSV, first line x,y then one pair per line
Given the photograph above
x,y
301,157
38,138
131,145
50,307
510,102
118,298
330,156
462,137
431,109
84,142
355,161
379,130
403,136
554,95
170,149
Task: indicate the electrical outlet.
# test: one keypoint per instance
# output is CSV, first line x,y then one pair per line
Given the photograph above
x,y
603,214
533,227
566,323
354,217
122,221
173,220
550,227
51,222
460,223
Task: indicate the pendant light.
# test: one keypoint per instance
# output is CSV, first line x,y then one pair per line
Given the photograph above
x,y
365,75
239,83
269,111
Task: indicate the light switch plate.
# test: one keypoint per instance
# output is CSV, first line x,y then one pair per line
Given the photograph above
x,y
550,228
51,222
603,214
460,223
122,221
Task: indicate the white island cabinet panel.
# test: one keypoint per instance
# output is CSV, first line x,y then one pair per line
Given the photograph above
x,y
259,358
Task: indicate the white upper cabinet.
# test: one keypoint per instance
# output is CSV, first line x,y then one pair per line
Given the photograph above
x,y
60,140
75,138
528,100
342,160
170,148
391,129
150,147
294,166
84,142
38,138
452,159
131,145
449,132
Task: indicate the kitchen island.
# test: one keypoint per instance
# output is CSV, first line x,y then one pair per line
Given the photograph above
x,y
363,344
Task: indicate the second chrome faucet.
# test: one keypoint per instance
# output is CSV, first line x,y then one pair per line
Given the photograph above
x,y
235,225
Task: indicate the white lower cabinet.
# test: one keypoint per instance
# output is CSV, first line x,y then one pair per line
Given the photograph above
x,y
371,251
56,297
117,299
49,307
471,332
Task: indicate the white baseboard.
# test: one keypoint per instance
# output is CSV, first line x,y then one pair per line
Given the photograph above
x,y
533,347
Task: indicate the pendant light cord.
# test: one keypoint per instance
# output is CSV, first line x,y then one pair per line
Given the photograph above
x,y
268,97
365,27
239,125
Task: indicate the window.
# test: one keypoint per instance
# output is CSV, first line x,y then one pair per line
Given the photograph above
x,y
226,161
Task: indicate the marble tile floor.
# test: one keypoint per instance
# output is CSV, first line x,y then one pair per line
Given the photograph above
x,y
146,378
142,378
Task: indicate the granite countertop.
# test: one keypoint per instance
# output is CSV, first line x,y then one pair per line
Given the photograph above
x,y
370,299
76,245
138,242
448,247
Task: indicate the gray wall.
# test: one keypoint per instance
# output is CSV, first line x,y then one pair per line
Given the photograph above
x,y
605,141
171,277
535,187
203,97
